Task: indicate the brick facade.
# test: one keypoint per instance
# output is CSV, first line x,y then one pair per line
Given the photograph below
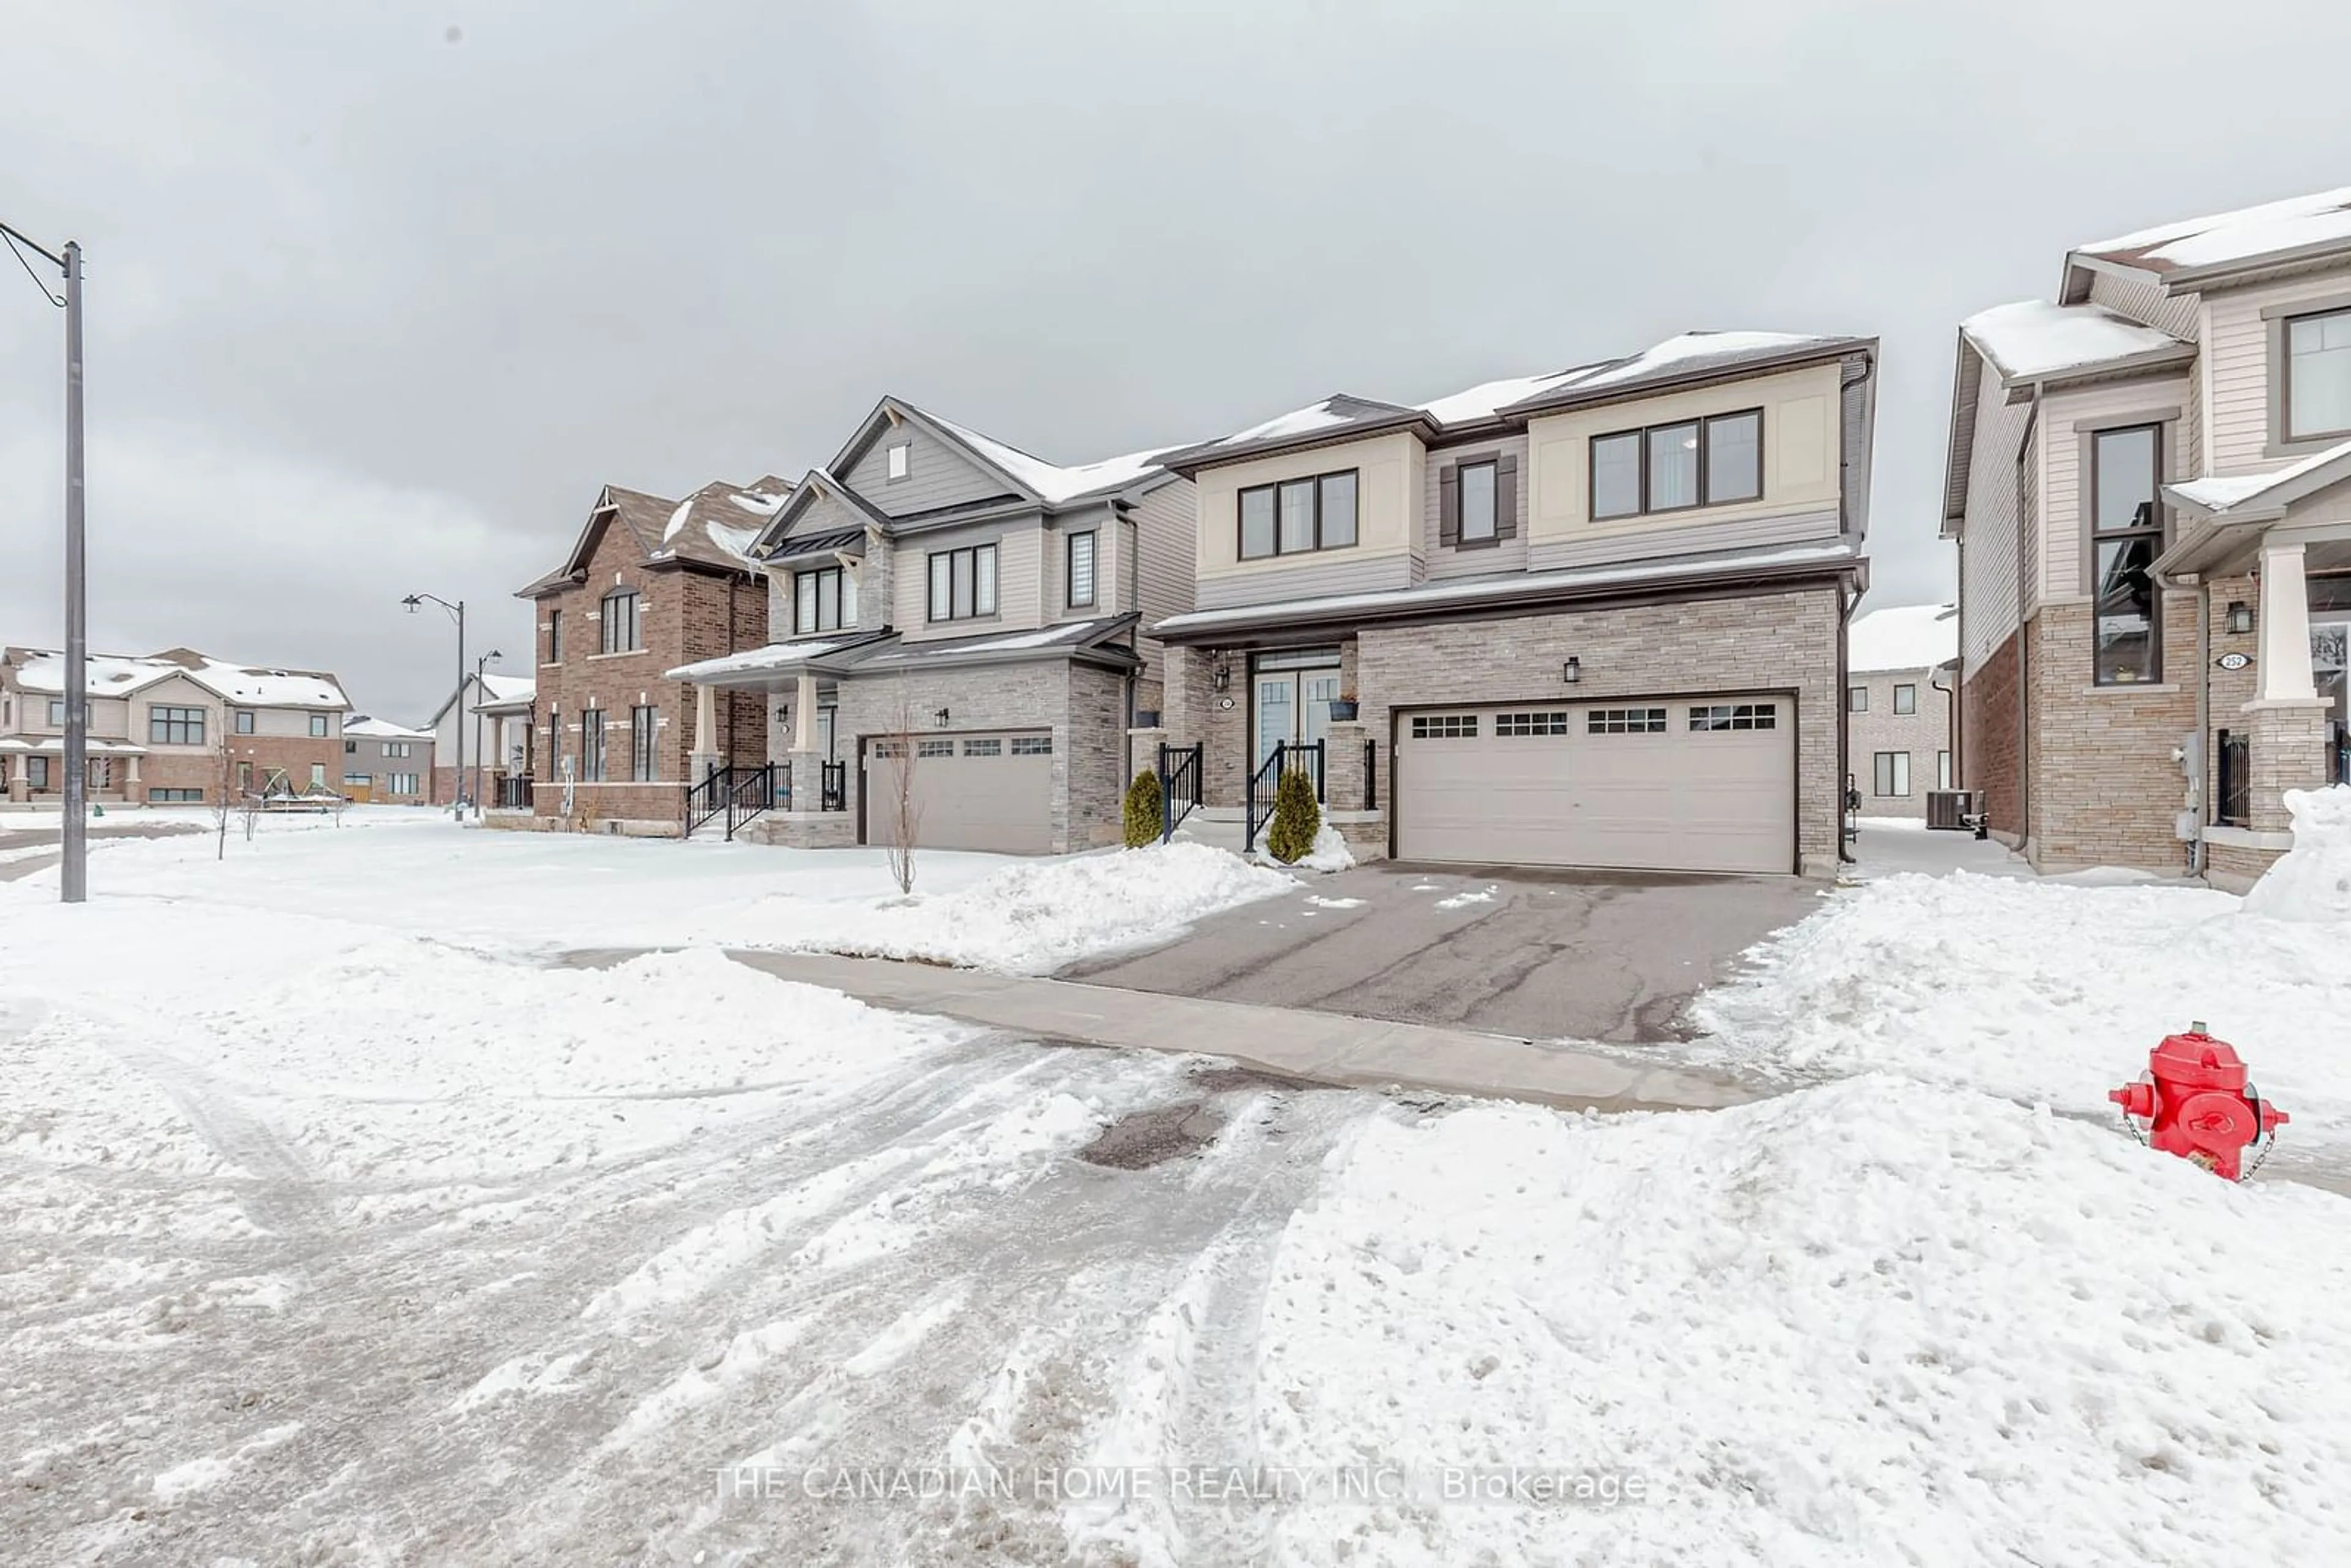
x,y
1923,735
1991,739
685,613
175,768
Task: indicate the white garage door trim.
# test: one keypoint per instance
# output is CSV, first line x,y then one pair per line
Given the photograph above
x,y
988,790
1689,783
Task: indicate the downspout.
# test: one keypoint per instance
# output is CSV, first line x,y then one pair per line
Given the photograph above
x,y
1846,606
2200,760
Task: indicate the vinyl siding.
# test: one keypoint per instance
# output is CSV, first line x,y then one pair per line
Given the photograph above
x,y
1019,559
2061,483
1161,538
1696,538
938,475
2237,355
1989,531
1308,577
1390,475
1511,554
2144,300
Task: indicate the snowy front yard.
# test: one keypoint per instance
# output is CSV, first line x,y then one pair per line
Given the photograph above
x,y
343,1223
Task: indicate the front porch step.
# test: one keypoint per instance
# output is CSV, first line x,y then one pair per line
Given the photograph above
x,y
1218,828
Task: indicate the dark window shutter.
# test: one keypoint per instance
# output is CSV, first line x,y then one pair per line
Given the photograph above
x,y
1448,507
1506,496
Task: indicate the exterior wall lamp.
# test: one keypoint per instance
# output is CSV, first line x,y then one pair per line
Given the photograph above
x,y
2241,617
1223,676
942,717
1573,671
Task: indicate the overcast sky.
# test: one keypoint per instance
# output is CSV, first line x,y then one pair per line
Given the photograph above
x,y
380,294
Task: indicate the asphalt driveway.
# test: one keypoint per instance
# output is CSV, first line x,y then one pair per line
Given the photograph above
x,y
1541,955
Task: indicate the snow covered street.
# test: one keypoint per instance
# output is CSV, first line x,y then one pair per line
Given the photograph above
x,y
347,1222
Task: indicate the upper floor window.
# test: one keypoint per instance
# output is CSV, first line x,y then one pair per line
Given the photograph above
x,y
244,721
1080,584
824,599
2125,536
1707,461
320,726
175,726
1478,502
963,582
1906,698
2318,375
555,636
350,748
644,726
899,460
57,713
622,635
1299,515
1857,699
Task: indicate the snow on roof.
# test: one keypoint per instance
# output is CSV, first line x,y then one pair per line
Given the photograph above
x,y
113,675
1051,481
757,661
763,503
2245,234
2224,493
736,542
1480,401
1904,637
1506,585
383,729
2034,337
1677,352
1304,421
509,688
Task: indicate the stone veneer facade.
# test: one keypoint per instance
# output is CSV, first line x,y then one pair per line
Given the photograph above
x,y
1786,640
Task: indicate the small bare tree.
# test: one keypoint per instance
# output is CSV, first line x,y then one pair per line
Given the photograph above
x,y
904,809
224,801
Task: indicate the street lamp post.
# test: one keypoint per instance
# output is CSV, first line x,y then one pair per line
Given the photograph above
x,y
456,612
480,691
73,867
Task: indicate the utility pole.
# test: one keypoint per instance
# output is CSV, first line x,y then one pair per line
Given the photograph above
x,y
481,690
456,612
73,870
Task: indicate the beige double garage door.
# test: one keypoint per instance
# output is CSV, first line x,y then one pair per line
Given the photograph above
x,y
985,792
1702,784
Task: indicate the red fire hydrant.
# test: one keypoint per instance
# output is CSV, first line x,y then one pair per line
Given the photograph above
x,y
2199,1104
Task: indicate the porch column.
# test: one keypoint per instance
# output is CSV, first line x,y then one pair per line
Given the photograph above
x,y
2284,663
807,762
804,715
705,756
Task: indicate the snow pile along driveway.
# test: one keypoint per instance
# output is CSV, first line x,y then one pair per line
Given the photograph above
x,y
2314,880
1034,916
1869,1323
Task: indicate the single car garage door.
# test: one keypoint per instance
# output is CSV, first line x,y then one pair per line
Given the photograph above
x,y
991,791
1694,784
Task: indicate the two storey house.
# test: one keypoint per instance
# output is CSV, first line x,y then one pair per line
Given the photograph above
x,y
957,656
2149,480
386,763
649,584
177,728
1591,618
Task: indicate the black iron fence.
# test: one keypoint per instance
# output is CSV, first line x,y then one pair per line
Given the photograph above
x,y
832,787
2232,794
1179,787
513,792
1266,781
2340,738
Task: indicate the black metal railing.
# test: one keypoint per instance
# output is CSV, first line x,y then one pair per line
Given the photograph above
x,y
1371,775
707,799
1266,782
832,787
514,792
2342,753
2233,792
755,790
1179,787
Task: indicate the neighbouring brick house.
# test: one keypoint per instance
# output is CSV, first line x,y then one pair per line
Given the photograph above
x,y
649,585
1591,618
2149,480
386,763
172,729
1901,680
957,628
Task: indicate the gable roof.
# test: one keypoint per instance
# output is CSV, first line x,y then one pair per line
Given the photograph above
x,y
43,670
710,528
2036,341
2236,496
1903,637
1690,359
2193,249
382,729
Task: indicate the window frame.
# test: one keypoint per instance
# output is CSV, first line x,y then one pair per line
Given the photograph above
x,y
321,727
1317,484
1906,697
555,636
170,717
1069,571
897,462
1887,767
1493,534
844,596
644,744
634,620
1857,699
243,722
1704,487
591,746
931,560
2287,434
2092,537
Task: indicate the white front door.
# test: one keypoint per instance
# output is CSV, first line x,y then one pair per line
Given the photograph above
x,y
1293,708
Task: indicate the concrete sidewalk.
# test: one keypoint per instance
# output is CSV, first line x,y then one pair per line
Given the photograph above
x,y
1324,1048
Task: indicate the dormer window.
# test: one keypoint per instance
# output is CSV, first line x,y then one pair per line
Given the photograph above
x,y
899,460
2318,376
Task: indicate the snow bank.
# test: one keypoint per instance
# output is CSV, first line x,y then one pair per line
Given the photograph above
x,y
1035,917
2039,992
2313,880
1870,1324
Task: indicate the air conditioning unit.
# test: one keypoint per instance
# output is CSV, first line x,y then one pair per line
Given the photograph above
x,y
1950,809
